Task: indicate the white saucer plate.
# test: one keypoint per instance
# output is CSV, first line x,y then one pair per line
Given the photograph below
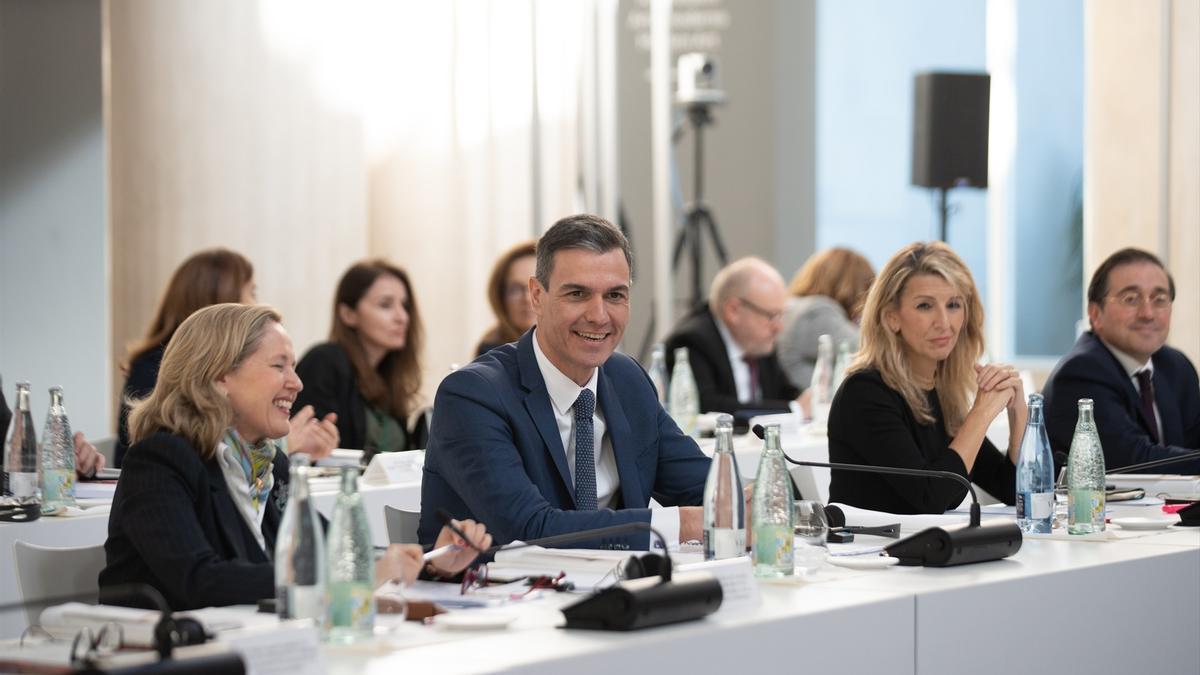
x,y
1143,523
864,562
473,620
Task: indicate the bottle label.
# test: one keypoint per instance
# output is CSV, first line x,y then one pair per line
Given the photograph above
x,y
351,605
1086,508
22,484
58,487
722,543
1035,505
301,602
773,547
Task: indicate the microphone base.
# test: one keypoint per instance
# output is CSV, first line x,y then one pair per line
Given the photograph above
x,y
959,544
642,603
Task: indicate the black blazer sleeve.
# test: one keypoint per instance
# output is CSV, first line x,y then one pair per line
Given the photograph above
x,y
995,473
5,415
330,386
164,528
869,423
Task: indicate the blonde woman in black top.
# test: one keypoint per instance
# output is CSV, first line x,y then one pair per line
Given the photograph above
x,y
915,395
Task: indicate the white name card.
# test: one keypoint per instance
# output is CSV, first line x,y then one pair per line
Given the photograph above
x,y
388,468
291,648
739,590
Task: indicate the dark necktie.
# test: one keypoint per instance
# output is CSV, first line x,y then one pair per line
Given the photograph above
x,y
585,452
1147,392
752,364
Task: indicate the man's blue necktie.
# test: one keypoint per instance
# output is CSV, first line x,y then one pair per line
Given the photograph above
x,y
585,452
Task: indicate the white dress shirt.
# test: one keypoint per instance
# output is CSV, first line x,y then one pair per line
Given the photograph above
x,y
1132,368
563,392
737,356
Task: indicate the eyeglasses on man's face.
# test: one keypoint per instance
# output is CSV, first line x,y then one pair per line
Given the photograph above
x,y
1133,300
764,313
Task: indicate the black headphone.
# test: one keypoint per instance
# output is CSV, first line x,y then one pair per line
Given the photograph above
x,y
177,631
648,565
20,513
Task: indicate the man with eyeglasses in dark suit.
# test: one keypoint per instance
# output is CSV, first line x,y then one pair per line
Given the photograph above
x,y
731,342
1146,394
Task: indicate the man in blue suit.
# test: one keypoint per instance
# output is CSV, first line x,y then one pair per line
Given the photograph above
x,y
556,433
1146,394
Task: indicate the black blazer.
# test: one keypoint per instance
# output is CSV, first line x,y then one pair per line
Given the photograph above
x,y
174,526
870,423
143,374
1090,370
714,376
330,385
5,416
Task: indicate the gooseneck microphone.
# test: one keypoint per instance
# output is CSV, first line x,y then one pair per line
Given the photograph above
x,y
1195,454
1189,516
939,546
652,600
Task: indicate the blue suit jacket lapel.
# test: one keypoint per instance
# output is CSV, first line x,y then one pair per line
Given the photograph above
x,y
537,403
623,443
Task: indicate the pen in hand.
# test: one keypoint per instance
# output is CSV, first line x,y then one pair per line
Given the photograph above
x,y
440,551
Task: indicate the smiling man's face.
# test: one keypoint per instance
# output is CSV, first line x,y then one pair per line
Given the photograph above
x,y
582,315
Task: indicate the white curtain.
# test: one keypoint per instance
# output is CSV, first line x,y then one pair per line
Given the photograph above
x,y
472,117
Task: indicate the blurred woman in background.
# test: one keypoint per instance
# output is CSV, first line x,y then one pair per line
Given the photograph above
x,y
828,294
508,293
206,278
369,372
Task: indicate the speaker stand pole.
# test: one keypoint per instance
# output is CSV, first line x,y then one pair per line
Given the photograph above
x,y
943,211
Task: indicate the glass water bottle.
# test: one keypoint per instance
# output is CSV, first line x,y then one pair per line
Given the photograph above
x,y
300,555
1085,475
58,456
351,610
771,511
724,508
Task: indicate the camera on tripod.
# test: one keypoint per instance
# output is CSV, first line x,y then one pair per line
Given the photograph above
x,y
697,83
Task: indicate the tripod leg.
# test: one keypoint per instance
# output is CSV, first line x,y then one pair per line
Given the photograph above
x,y
714,233
681,239
697,255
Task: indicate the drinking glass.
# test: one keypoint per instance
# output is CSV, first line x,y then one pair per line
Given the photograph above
x,y
811,530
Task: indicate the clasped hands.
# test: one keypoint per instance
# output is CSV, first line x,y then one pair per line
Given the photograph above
x,y
999,387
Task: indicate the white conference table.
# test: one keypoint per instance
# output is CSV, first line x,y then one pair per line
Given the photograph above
x,y
1056,606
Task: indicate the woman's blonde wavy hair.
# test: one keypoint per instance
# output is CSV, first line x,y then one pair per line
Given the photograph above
x,y
884,350
208,345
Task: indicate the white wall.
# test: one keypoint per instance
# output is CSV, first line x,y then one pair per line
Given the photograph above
x,y
53,250
867,54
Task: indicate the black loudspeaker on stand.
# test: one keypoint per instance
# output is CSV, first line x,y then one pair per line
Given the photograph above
x,y
950,134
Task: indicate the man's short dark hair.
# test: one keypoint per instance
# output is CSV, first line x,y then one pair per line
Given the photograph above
x,y
585,231
1098,287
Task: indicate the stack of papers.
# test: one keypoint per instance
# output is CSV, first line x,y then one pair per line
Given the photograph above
x,y
586,568
64,621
